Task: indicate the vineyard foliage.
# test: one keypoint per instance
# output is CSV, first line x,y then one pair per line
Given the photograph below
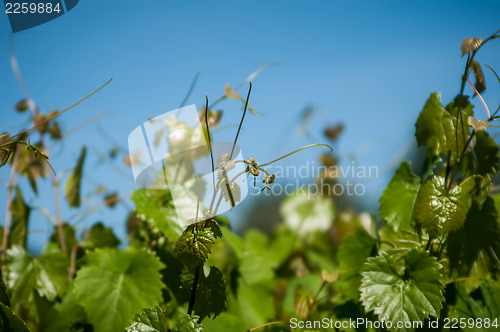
x,y
432,252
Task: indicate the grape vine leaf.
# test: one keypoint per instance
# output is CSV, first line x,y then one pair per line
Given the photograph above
x,y
148,320
113,286
398,199
156,207
73,184
46,273
478,241
413,295
211,295
441,211
193,246
187,323
437,129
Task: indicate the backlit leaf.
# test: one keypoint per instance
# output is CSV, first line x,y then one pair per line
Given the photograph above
x,y
437,129
156,207
193,246
46,274
113,286
410,296
440,211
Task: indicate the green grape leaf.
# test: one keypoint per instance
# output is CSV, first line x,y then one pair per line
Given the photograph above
x,y
100,236
210,294
73,183
47,274
439,211
477,242
113,286
149,320
156,207
437,129
194,245
398,200
186,323
411,296
20,217
9,321
353,251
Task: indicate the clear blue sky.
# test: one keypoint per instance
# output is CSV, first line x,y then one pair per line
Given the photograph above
x,y
368,64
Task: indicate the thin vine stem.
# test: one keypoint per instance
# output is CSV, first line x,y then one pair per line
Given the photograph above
x,y
289,154
58,113
192,298
241,122
209,140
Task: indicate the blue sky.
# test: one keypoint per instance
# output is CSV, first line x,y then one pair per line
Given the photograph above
x,y
368,64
